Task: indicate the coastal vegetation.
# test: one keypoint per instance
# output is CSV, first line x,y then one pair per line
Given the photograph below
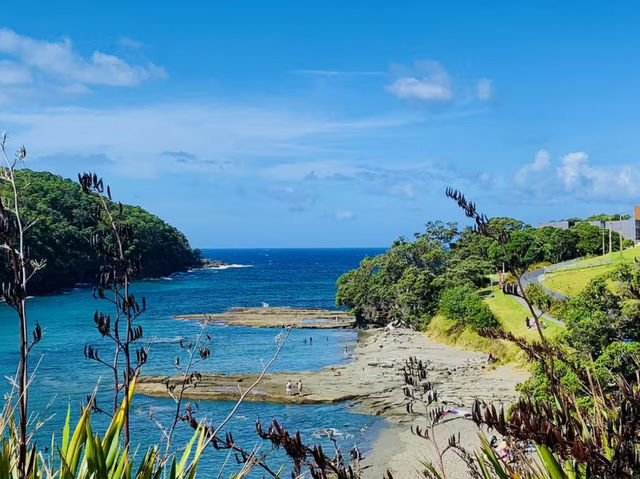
x,y
406,283
510,316
62,223
464,306
580,409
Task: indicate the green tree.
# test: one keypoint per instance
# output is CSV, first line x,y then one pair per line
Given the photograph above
x,y
591,239
523,249
66,222
463,305
559,245
404,283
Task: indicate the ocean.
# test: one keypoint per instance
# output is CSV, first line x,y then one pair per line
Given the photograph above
x,y
277,277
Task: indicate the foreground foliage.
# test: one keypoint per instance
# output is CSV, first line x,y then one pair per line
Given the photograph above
x,y
85,455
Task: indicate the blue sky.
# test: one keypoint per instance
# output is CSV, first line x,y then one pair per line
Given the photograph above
x,y
292,124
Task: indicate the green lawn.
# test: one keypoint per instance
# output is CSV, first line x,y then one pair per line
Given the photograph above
x,y
571,282
615,257
574,279
509,313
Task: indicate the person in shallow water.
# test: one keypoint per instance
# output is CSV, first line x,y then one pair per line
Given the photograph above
x,y
346,352
288,388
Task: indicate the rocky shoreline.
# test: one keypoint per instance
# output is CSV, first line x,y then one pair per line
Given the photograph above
x,y
277,317
373,381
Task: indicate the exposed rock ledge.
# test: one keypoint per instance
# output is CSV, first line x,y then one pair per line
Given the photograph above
x,y
374,378
277,317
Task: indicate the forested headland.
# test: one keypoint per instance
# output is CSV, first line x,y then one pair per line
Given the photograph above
x,y
64,222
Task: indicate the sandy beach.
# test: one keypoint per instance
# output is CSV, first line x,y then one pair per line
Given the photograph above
x,y
373,382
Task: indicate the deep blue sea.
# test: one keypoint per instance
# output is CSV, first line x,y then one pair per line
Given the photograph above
x,y
278,277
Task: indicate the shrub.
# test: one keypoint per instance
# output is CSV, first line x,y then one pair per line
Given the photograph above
x,y
559,308
463,305
618,358
537,296
541,264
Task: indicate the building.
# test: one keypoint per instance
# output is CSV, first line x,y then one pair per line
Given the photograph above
x,y
629,229
561,225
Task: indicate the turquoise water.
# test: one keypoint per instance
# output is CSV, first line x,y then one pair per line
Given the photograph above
x,y
302,277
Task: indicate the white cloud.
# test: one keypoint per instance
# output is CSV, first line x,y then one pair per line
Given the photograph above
x,y
12,73
430,83
296,198
575,177
484,89
59,68
337,73
574,169
403,190
541,161
129,43
342,215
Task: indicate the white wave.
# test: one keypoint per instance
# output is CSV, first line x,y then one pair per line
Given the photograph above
x,y
175,339
331,431
229,266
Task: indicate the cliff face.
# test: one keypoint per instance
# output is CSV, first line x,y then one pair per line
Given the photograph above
x,y
64,222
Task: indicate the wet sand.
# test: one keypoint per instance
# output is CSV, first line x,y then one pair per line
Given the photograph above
x,y
373,381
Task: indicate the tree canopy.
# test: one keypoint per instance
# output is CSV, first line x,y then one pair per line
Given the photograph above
x,y
64,221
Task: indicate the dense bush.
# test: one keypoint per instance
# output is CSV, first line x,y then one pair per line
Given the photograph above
x,y
65,221
618,358
602,335
402,284
464,305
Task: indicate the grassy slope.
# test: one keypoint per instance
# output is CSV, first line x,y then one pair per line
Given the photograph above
x,y
511,316
571,281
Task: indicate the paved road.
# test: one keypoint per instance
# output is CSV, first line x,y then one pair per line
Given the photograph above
x,y
535,277
551,319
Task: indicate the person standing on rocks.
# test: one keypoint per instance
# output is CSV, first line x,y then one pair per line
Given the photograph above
x,y
288,388
299,384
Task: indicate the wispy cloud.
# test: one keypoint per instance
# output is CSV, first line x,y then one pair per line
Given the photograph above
x,y
343,215
295,197
428,81
146,141
184,155
12,73
337,73
484,89
407,181
129,43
